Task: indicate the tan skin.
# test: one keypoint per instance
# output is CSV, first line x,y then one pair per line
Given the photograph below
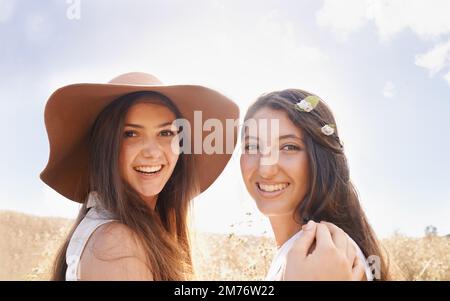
x,y
277,188
148,137
112,252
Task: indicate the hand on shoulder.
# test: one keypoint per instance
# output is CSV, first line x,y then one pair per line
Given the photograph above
x,y
333,258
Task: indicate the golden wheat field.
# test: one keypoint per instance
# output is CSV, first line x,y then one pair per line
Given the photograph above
x,y
28,245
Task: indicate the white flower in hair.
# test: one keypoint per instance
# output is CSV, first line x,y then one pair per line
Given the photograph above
x,y
328,129
307,104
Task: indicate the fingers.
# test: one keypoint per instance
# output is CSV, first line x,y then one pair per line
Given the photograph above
x,y
305,241
358,270
323,238
340,239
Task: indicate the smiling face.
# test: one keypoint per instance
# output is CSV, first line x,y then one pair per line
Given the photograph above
x,y
277,186
146,157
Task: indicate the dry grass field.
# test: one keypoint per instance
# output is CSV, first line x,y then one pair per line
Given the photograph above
x,y
28,245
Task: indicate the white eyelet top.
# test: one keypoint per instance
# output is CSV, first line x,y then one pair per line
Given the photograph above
x,y
95,217
277,267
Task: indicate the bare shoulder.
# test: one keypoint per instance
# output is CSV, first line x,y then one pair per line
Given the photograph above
x,y
114,240
113,252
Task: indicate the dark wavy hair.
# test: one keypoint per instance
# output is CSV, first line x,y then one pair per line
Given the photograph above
x,y
331,196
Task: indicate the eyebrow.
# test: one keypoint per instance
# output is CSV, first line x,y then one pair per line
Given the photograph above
x,y
289,136
141,127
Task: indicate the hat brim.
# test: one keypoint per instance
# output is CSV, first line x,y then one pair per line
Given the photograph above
x,y
72,110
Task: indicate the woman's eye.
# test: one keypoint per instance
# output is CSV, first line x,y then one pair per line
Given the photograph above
x,y
290,147
128,134
167,133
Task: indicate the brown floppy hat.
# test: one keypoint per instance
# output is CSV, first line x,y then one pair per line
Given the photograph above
x,y
72,110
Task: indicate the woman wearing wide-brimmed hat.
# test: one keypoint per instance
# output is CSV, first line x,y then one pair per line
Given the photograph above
x,y
111,149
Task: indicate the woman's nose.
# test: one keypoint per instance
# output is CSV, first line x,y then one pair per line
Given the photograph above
x,y
268,165
151,149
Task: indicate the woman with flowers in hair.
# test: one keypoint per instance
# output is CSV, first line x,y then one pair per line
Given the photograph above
x,y
306,191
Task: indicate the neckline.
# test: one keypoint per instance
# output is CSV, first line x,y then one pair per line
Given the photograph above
x,y
279,258
289,241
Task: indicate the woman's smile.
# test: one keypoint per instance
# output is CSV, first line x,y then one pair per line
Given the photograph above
x,y
271,190
149,172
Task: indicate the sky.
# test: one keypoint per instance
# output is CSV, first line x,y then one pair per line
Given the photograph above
x,y
382,66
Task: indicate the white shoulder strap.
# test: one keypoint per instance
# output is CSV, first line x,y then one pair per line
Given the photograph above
x,y
93,219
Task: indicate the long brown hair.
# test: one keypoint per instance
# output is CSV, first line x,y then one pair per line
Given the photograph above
x,y
331,196
163,232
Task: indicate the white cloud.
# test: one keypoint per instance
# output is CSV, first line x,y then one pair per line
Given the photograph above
x,y
427,19
435,59
6,10
388,90
424,18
